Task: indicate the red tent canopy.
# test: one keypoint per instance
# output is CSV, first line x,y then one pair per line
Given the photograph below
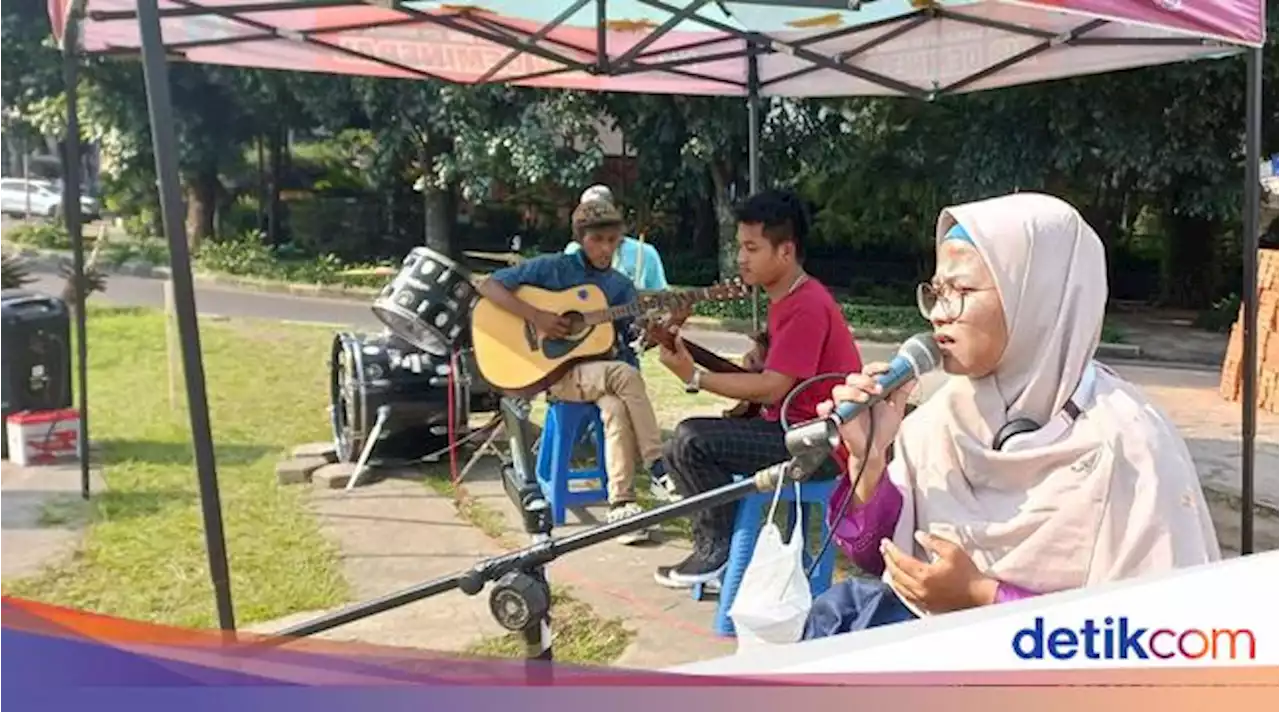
x,y
753,48
804,47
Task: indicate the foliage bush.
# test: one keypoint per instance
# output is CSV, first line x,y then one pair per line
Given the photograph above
x,y
14,273
1221,316
49,236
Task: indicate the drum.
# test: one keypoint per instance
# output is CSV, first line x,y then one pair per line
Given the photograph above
x,y
368,372
429,302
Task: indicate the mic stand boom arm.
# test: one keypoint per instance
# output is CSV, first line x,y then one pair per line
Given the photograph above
x,y
520,600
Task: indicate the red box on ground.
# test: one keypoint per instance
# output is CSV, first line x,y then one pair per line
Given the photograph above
x,y
44,436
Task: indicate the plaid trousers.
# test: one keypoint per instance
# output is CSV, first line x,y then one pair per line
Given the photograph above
x,y
706,453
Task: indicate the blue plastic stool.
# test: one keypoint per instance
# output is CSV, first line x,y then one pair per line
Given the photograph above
x,y
565,425
746,529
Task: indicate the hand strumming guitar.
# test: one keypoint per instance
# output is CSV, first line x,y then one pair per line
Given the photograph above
x,y
552,325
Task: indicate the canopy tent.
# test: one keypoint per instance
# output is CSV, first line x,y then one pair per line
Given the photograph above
x,y
920,49
806,48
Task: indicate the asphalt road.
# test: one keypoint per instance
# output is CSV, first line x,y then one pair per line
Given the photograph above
x,y
341,314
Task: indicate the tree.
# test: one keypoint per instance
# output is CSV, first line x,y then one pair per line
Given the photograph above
x,y
458,142
30,71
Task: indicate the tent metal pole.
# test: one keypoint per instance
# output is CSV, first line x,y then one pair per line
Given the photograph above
x,y
163,140
753,153
1252,208
75,230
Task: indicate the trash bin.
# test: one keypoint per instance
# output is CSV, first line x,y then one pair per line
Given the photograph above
x,y
35,370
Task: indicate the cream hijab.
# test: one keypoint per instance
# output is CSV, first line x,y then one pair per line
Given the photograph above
x,y
1116,495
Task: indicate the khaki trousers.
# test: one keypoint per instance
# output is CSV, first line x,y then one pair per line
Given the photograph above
x,y
630,426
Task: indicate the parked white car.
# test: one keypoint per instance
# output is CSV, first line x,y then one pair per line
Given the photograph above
x,y
46,199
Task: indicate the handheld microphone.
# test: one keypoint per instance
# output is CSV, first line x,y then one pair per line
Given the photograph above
x,y
917,356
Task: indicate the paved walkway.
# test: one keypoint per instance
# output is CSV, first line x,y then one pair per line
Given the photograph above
x,y
43,516
395,533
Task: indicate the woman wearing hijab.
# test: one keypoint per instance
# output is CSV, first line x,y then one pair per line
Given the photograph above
x,y
1034,468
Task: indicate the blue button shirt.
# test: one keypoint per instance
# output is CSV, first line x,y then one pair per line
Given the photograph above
x,y
566,271
640,262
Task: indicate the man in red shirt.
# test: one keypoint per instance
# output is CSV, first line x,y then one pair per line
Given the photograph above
x,y
807,336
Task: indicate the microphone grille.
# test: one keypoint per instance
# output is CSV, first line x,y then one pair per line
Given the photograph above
x,y
923,352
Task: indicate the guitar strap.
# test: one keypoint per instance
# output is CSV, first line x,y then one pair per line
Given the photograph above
x,y
640,261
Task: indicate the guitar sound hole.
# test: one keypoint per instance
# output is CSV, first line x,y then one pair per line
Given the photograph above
x,y
577,323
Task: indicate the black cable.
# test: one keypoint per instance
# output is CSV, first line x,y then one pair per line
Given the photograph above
x,y
866,452
848,499
63,393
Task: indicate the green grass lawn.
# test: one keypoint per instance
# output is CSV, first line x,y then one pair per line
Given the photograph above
x,y
144,550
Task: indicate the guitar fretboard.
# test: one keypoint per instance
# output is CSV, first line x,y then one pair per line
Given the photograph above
x,y
638,307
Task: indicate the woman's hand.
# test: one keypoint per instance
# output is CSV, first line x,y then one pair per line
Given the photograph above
x,y
951,582
888,414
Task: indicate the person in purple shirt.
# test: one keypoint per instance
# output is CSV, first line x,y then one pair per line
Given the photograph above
x,y
1032,469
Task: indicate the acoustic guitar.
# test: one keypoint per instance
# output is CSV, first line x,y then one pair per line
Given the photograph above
x,y
713,362
517,360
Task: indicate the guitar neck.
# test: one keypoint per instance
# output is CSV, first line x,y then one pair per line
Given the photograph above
x,y
636,308
710,360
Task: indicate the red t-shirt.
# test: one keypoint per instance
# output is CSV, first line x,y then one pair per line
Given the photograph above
x,y
808,336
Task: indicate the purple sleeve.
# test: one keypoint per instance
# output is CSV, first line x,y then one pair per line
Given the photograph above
x,y
1006,592
859,531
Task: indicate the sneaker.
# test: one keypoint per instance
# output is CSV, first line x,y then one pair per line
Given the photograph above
x,y
664,578
663,575
699,567
661,486
626,510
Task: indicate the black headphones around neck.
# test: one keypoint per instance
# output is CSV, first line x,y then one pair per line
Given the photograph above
x,y
1023,426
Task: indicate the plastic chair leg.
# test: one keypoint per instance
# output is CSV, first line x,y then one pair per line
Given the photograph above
x,y
745,532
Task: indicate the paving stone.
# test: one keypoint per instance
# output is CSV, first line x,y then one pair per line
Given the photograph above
x,y
298,470
333,476
325,450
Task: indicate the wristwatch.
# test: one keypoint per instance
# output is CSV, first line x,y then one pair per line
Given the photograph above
x,y
694,383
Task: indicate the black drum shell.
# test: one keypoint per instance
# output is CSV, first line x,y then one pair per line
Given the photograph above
x,y
429,302
393,373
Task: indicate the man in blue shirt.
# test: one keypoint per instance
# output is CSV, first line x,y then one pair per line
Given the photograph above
x,y
639,261
614,385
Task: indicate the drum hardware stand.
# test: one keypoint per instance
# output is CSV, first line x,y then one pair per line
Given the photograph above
x,y
492,429
384,412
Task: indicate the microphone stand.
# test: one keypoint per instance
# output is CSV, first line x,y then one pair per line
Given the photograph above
x,y
520,599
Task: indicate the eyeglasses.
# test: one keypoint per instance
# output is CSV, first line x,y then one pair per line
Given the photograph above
x,y
928,297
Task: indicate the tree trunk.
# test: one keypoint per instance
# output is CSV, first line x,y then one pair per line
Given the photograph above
x,y
1106,215
439,207
201,190
1187,265
727,227
440,211
275,211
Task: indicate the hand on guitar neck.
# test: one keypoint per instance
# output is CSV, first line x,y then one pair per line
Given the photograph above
x,y
666,335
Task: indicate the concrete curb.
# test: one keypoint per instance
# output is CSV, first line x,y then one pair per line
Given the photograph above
x,y
54,260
